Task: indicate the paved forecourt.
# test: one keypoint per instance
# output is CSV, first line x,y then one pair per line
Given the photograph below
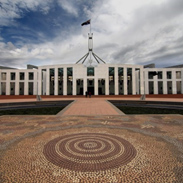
x,y
91,141
109,148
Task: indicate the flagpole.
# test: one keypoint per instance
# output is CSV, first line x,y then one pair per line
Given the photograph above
x,y
90,42
90,26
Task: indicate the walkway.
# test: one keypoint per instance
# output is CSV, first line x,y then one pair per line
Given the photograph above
x,y
90,106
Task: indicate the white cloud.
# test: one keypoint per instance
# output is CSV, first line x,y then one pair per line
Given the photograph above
x,y
69,6
41,53
20,56
128,25
124,32
9,10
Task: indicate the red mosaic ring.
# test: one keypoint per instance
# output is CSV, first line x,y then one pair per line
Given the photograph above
x,y
89,152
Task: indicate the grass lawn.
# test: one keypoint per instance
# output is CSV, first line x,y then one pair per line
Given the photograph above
x,y
33,111
147,110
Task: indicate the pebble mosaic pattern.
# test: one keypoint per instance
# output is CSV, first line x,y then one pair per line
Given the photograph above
x,y
96,152
93,149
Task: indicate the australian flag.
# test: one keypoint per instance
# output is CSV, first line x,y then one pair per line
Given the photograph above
x,y
86,23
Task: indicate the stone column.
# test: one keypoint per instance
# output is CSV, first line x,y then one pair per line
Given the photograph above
x,y
133,81
56,81
155,84
47,81
125,80
39,82
142,87
164,82
73,81
74,85
35,87
146,82
17,77
8,83
26,86
84,85
174,84
137,82
107,81
96,86
65,81
116,82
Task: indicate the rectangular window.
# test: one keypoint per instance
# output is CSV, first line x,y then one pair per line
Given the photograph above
x,y
151,87
169,87
3,88
150,75
60,81
31,88
21,88
169,75
3,76
90,71
12,75
120,73
178,83
137,74
129,81
43,81
69,80
79,86
160,87
101,86
12,88
160,75
111,81
31,76
178,74
22,75
120,80
60,74
52,81
111,73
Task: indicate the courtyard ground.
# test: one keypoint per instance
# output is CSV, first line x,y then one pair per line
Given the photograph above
x,y
106,146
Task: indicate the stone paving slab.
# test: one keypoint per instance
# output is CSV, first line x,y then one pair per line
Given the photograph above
x,y
87,149
91,106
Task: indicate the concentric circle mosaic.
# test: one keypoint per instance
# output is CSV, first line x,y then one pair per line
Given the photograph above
x,y
89,152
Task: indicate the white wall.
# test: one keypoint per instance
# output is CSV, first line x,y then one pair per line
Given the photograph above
x,y
101,72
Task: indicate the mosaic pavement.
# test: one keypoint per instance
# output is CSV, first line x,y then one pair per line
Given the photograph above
x,y
91,149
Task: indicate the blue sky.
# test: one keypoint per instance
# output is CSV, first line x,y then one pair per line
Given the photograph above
x,y
128,32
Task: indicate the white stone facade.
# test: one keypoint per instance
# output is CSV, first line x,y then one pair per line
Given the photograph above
x,y
104,79
168,81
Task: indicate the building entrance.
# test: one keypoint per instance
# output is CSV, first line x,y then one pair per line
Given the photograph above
x,y
101,86
79,88
90,86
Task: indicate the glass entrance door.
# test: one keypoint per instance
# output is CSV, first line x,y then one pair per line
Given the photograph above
x,y
79,86
101,86
90,86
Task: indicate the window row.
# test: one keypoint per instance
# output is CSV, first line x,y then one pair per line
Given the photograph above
x,y
21,76
13,90
159,74
169,87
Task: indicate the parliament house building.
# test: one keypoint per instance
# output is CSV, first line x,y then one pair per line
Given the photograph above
x,y
93,75
103,79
